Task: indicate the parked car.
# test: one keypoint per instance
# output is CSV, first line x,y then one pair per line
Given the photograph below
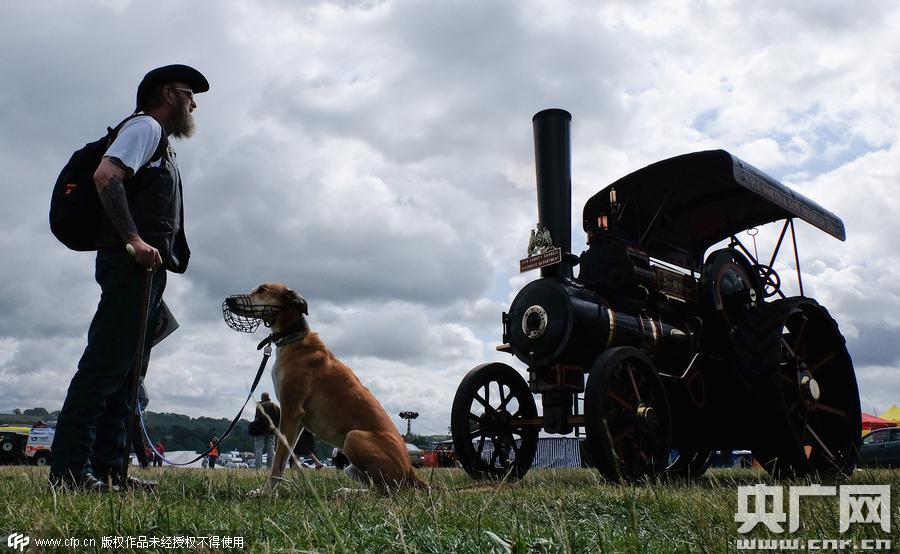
x,y
21,429
12,446
881,448
37,450
416,456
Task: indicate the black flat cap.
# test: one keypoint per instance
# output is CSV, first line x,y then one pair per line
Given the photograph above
x,y
170,74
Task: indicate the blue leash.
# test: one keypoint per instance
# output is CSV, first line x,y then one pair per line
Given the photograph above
x,y
262,366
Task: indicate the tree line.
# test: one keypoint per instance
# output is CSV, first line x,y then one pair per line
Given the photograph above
x,y
181,432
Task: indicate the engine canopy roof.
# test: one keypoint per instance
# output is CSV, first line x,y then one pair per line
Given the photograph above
x,y
683,205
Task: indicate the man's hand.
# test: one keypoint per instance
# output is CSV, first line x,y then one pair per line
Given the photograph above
x,y
144,254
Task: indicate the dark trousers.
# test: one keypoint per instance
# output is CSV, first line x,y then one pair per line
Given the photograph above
x,y
212,461
90,429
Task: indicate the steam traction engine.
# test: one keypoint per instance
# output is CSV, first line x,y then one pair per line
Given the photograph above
x,y
676,354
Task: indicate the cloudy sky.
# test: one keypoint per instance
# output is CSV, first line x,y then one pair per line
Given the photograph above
x,y
378,158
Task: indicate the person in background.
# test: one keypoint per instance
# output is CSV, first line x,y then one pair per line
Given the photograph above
x,y
268,415
214,452
140,449
160,452
305,448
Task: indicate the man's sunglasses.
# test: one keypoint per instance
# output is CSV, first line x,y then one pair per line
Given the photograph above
x,y
189,92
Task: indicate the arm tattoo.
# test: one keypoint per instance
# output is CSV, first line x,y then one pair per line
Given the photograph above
x,y
114,201
120,164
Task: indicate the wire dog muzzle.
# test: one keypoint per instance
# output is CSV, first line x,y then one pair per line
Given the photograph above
x,y
242,315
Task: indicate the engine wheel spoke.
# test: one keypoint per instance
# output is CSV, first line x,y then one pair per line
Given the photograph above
x,y
827,358
637,391
822,444
504,400
482,401
623,433
788,347
834,411
619,400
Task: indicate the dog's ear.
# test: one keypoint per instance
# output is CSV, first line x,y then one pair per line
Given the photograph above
x,y
291,298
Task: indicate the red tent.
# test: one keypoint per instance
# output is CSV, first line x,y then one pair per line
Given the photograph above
x,y
870,423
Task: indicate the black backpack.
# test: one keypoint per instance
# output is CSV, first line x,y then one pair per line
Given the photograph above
x,y
76,214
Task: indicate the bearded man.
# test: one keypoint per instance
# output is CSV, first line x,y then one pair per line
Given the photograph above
x,y
140,188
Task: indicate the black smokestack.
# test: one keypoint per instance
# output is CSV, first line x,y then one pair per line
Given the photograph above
x,y
553,162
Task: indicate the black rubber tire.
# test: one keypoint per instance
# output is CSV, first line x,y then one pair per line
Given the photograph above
x,y
7,447
780,343
470,420
624,446
42,459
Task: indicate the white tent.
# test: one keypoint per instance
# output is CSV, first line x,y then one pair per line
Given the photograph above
x,y
179,457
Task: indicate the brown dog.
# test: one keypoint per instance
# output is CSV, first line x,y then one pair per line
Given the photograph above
x,y
318,392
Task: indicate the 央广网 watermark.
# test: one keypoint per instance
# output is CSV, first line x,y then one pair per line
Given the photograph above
x,y
858,504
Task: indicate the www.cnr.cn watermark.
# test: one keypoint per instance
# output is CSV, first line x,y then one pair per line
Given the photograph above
x,y
858,504
813,545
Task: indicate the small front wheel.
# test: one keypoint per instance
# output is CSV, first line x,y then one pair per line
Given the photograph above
x,y
493,423
626,414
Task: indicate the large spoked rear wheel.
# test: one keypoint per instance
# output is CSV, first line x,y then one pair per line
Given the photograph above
x,y
490,435
626,416
807,390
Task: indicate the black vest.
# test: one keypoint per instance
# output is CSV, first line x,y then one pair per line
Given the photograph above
x,y
156,205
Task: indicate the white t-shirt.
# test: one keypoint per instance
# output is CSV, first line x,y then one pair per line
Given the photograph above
x,y
136,142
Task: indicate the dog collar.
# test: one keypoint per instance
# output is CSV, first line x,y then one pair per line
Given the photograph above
x,y
294,333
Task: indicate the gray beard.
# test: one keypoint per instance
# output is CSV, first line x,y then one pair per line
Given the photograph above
x,y
183,126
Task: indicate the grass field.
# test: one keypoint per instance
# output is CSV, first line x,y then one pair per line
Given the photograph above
x,y
549,511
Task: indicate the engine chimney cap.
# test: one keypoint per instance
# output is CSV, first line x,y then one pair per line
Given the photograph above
x,y
551,112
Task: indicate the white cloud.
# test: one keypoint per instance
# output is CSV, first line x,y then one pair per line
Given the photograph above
x,y
377,157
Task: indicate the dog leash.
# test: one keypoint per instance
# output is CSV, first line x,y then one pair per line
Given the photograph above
x,y
137,365
267,353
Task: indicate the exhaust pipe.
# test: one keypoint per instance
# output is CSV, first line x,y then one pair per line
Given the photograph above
x,y
553,164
